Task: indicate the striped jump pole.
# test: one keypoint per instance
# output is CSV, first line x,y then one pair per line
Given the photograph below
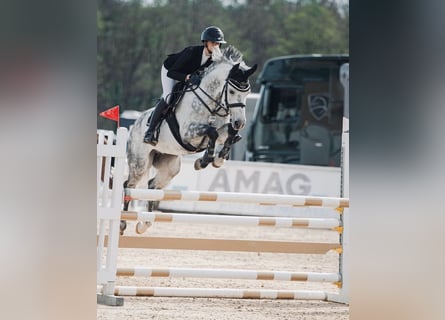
x,y
229,274
220,293
254,198
312,223
109,210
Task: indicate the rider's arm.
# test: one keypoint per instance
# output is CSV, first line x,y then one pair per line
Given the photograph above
x,y
175,71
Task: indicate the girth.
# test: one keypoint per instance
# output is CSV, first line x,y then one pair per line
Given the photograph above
x,y
174,128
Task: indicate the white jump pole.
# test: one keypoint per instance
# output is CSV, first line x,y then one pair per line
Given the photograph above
x,y
237,197
220,293
228,274
312,223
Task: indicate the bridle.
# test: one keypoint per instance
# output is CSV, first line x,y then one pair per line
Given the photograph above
x,y
223,109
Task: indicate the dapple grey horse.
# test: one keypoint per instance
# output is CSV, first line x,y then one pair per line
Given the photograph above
x,y
207,118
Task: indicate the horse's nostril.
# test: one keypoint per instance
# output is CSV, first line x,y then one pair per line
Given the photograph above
x,y
238,124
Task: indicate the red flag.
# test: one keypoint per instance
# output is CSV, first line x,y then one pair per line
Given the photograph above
x,y
112,114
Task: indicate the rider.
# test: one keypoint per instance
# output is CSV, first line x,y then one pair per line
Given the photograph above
x,y
181,67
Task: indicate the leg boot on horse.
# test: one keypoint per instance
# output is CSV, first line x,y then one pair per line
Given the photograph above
x,y
234,136
154,121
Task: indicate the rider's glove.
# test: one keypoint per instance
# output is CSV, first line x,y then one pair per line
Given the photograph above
x,y
195,79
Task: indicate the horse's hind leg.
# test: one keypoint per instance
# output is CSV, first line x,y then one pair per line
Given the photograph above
x,y
168,167
138,170
123,224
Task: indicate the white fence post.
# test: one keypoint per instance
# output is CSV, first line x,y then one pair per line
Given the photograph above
x,y
343,296
110,179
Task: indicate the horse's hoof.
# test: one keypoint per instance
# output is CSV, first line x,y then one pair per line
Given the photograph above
x,y
218,163
198,164
141,227
122,227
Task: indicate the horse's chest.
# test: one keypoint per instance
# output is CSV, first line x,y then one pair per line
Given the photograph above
x,y
200,127
201,118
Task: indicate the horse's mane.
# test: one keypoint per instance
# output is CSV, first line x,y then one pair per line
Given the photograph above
x,y
229,54
232,54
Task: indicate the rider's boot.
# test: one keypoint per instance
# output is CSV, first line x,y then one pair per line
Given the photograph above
x,y
150,134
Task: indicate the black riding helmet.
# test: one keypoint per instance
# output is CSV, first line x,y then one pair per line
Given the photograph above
x,y
213,34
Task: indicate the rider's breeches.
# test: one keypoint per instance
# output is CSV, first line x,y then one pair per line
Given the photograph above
x,y
167,84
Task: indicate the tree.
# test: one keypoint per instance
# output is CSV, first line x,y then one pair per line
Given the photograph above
x,y
312,29
134,38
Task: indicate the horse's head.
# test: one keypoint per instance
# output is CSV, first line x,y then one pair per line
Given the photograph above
x,y
237,85
236,93
231,74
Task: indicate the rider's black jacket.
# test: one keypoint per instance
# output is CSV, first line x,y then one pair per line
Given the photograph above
x,y
185,62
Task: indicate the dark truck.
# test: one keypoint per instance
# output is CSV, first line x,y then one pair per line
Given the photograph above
x,y
299,112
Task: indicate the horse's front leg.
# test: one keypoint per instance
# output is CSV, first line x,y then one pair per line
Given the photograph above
x,y
223,154
209,154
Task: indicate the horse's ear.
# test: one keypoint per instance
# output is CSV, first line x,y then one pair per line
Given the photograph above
x,y
234,69
250,71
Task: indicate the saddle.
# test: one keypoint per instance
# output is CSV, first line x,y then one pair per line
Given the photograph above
x,y
178,92
169,115
175,96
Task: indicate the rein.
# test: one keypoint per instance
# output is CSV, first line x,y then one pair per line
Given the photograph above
x,y
220,106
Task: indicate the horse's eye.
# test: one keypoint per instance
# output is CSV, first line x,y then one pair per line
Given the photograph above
x,y
231,92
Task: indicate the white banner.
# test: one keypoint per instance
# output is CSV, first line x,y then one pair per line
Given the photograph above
x,y
253,177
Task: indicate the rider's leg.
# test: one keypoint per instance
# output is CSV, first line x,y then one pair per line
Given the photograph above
x,y
161,107
150,136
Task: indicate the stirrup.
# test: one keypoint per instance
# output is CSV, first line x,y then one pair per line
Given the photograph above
x,y
151,142
151,139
